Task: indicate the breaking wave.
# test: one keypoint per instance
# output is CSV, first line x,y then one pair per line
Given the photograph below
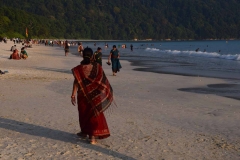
x,y
198,54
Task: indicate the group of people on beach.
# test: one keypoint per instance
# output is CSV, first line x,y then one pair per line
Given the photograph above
x,y
94,92
66,45
97,56
91,89
15,55
23,54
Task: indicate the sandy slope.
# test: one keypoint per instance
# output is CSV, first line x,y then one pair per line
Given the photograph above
x,y
153,120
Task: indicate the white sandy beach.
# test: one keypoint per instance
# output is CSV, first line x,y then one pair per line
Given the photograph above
x,y
153,120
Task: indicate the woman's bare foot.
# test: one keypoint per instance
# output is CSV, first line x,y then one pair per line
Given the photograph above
x,y
93,140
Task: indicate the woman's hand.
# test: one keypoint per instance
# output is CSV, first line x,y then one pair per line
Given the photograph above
x,y
75,88
73,100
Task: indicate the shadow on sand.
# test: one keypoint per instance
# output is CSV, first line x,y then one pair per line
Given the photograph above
x,y
224,90
40,131
54,70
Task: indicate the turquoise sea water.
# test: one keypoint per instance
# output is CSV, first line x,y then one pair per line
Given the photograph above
x,y
219,59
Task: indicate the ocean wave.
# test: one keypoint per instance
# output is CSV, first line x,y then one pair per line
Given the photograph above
x,y
152,49
198,54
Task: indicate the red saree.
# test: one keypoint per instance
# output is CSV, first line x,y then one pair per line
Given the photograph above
x,y
95,95
15,55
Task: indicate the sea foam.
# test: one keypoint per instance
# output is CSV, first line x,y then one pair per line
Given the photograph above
x,y
198,54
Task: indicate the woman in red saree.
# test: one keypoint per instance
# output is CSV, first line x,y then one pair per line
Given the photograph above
x,y
94,96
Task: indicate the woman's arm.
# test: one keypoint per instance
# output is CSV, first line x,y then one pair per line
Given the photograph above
x,y
74,91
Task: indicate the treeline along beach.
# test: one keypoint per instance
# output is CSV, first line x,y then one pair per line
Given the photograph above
x,y
121,19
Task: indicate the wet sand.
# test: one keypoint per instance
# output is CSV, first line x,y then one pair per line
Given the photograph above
x,y
230,88
159,116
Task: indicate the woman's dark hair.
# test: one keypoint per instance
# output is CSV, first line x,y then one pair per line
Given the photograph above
x,y
114,46
87,54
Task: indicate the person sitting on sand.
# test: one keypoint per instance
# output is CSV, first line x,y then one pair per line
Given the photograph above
x,y
23,54
15,55
66,48
90,78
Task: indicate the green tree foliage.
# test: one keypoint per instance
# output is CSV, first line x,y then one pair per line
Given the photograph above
x,y
121,19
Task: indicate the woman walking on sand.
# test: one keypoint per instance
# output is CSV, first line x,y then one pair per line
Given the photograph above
x,y
114,56
94,96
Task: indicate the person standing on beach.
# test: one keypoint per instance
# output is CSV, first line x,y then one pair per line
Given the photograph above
x,y
66,48
80,49
131,47
106,45
114,56
90,78
97,57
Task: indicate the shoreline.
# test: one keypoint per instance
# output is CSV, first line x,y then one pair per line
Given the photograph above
x,y
224,89
148,67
